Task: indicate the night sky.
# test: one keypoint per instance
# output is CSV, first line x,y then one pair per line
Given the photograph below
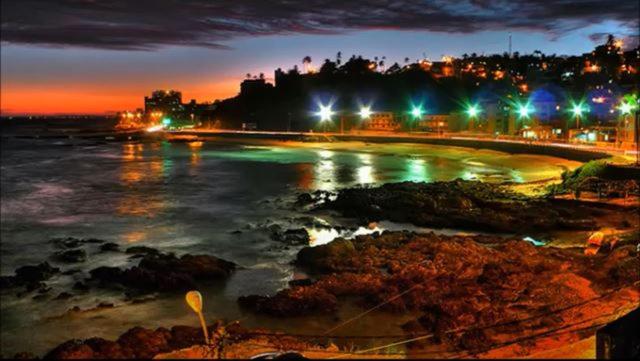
x,y
99,56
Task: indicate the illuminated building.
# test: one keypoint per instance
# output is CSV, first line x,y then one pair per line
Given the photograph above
x,y
381,121
169,102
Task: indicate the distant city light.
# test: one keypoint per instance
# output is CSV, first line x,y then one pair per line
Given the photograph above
x,y
524,110
325,113
166,121
155,128
365,112
417,112
473,111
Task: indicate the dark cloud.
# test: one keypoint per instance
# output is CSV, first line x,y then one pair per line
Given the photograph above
x,y
148,24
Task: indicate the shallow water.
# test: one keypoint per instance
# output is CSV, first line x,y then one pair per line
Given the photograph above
x,y
190,198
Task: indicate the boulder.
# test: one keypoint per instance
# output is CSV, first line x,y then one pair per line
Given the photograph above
x,y
71,256
324,258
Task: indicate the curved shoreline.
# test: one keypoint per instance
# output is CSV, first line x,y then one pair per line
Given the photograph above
x,y
549,149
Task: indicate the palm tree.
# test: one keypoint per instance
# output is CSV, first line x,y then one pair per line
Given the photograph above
x,y
406,60
248,75
305,63
339,58
261,76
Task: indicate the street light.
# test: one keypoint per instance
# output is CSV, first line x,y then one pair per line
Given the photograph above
x,y
578,109
325,113
365,112
417,112
472,111
524,110
625,108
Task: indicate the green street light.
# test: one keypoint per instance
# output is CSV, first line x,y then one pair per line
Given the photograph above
x,y
472,111
524,110
166,122
417,112
625,108
578,109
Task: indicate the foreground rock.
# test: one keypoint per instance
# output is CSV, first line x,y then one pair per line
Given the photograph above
x,y
31,277
455,281
465,205
160,272
180,342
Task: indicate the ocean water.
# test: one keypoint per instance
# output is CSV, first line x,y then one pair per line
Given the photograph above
x,y
193,198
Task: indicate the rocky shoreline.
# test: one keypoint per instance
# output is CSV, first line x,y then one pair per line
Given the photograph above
x,y
459,204
460,282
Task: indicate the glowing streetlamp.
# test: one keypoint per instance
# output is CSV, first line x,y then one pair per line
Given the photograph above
x,y
325,113
577,110
365,112
524,110
417,112
166,122
473,111
625,108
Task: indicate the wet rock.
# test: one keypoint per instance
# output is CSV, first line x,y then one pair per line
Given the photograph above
x,y
71,256
67,243
297,301
24,356
323,258
71,272
298,236
144,250
63,296
30,277
165,272
462,205
304,199
144,343
37,273
455,281
72,349
71,242
109,247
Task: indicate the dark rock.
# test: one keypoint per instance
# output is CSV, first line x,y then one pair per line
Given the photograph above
x,y
165,272
67,243
144,343
109,247
30,277
296,301
304,199
24,356
324,257
463,205
142,250
71,256
103,305
38,273
71,272
80,286
301,282
72,349
63,296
